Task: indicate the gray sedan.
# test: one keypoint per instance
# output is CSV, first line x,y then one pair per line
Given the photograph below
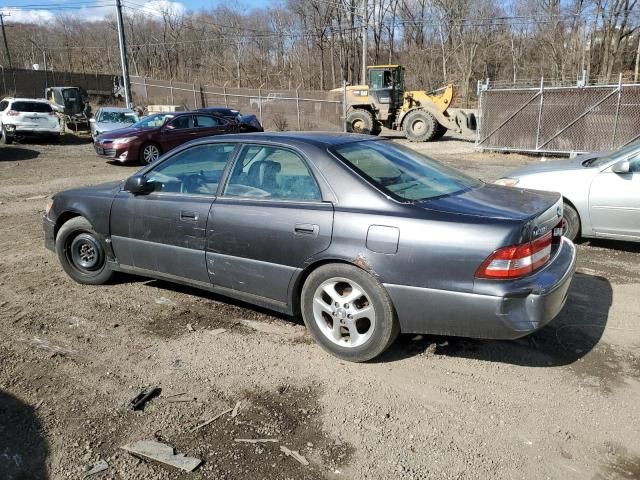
x,y
108,119
601,191
362,237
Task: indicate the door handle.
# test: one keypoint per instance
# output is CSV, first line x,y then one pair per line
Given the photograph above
x,y
306,229
192,216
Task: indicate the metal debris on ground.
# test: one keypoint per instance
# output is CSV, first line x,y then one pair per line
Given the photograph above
x,y
256,440
234,413
97,467
38,405
217,331
294,454
190,327
164,301
139,401
162,453
211,420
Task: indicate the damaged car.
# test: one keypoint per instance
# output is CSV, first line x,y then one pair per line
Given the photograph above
x,y
362,237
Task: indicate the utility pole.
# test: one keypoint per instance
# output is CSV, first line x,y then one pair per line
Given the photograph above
x,y
123,56
44,57
365,37
4,36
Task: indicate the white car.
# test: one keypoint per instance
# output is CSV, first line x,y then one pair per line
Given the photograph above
x,y
601,191
27,117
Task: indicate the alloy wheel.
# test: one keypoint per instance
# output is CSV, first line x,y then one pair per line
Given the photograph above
x,y
150,153
343,312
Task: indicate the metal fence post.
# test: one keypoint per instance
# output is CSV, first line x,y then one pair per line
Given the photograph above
x,y
540,112
344,105
224,92
171,90
298,107
260,101
146,90
615,120
195,99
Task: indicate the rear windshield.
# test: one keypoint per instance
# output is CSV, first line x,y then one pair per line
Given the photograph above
x,y
401,172
37,107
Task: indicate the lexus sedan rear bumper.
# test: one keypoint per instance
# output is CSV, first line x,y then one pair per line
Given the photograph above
x,y
496,309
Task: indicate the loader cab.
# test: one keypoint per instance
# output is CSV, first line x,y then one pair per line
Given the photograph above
x,y
386,88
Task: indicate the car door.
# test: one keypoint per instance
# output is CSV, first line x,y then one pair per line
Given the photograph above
x,y
177,131
614,202
165,231
268,221
207,125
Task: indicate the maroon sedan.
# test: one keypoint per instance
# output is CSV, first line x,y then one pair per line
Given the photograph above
x,y
146,140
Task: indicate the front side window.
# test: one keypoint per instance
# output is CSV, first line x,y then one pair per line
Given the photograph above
x,y
634,164
153,121
195,171
401,172
3,106
181,123
271,173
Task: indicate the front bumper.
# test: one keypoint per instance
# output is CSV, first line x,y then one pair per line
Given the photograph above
x,y
110,152
49,233
496,309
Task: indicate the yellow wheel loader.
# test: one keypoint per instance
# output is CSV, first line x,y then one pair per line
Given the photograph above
x,y
384,102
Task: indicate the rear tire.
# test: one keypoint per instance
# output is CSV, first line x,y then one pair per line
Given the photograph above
x,y
81,254
361,121
572,219
420,126
440,131
348,312
4,138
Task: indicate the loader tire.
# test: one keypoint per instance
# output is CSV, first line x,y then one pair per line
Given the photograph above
x,y
440,131
361,121
420,126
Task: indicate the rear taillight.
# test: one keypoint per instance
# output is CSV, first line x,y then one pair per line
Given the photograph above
x,y
558,231
517,260
13,113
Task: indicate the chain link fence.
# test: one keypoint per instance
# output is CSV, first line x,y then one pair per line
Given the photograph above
x,y
561,119
276,109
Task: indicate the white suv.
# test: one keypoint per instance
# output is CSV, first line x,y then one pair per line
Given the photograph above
x,y
27,116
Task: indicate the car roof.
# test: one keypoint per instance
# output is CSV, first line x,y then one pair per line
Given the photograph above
x,y
20,99
319,139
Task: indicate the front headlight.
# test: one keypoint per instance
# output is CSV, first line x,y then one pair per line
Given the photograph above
x,y
507,182
120,141
49,206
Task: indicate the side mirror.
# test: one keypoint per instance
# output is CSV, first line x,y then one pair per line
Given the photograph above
x,y
621,167
137,184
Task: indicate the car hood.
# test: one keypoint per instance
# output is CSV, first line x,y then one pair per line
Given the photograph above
x,y
495,201
125,132
110,127
554,165
102,189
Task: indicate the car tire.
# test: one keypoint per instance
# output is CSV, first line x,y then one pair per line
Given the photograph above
x,y
572,220
420,126
361,121
81,254
4,138
329,303
149,153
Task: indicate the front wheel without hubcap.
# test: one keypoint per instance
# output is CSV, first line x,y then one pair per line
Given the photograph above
x,y
348,312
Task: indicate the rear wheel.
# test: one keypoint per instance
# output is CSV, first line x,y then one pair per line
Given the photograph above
x,y
81,254
420,126
440,131
4,138
348,312
149,153
361,121
572,222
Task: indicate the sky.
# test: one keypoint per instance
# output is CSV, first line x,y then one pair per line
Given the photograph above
x,y
40,11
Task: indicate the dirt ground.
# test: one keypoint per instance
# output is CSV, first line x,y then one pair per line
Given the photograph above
x,y
562,403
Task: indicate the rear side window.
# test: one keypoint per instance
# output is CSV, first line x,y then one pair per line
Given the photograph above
x,y
203,121
35,107
272,173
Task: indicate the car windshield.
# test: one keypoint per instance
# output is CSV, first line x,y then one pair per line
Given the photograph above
x,y
118,117
152,121
403,173
624,152
35,107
